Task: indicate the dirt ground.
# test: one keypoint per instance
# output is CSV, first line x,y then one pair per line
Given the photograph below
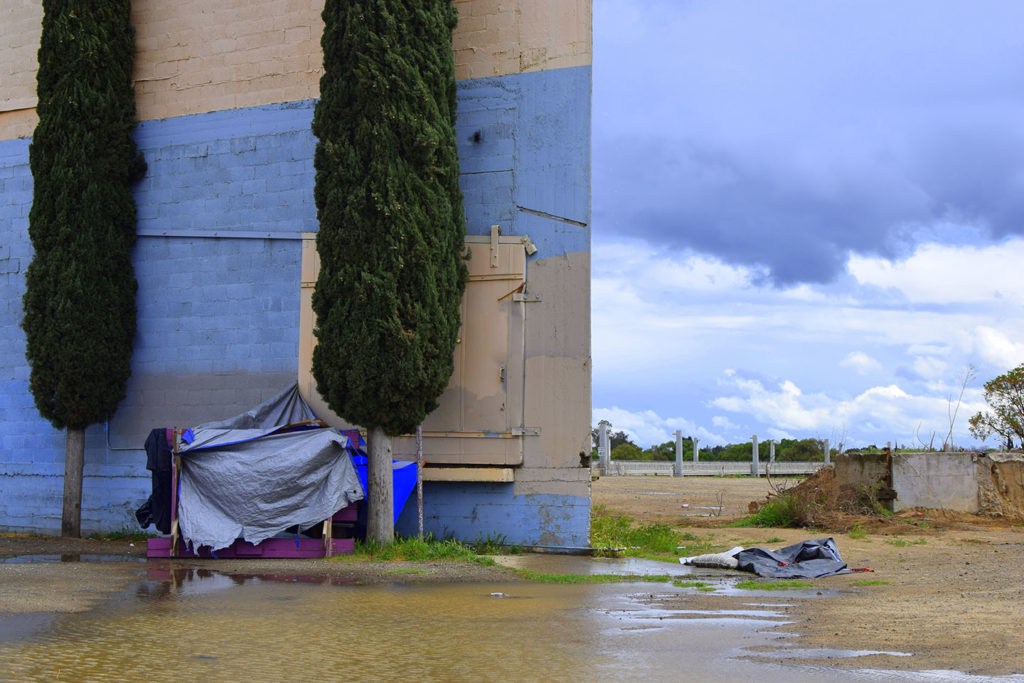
x,y
953,591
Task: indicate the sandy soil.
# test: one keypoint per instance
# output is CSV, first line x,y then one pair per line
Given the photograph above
x,y
954,584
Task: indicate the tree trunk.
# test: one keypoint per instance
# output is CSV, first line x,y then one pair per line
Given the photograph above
x,y
74,462
380,499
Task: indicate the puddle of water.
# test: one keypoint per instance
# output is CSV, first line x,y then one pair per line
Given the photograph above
x,y
15,627
219,627
831,653
590,566
69,557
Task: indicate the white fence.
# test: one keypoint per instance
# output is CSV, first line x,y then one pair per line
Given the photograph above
x,y
705,469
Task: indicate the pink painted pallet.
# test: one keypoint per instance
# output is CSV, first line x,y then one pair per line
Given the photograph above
x,y
295,547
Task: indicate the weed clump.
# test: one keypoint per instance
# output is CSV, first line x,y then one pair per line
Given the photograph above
x,y
618,533
772,585
784,510
817,502
415,549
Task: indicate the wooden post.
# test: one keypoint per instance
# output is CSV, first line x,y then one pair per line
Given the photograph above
x,y
755,465
696,448
419,480
603,450
679,454
380,521
771,450
175,473
828,453
74,463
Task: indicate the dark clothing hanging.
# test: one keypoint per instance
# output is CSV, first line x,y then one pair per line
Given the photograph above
x,y
157,509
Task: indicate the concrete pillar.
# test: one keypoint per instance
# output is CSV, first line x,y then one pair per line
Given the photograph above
x,y
828,453
604,454
771,450
679,454
755,465
696,448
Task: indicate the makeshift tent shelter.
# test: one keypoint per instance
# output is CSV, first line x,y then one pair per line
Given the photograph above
x,y
238,485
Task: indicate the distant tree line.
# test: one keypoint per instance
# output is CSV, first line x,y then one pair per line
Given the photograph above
x,y
786,450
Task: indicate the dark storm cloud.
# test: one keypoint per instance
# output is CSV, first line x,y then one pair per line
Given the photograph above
x,y
787,134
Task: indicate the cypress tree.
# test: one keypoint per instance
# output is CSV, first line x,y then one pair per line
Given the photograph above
x,y
392,228
80,286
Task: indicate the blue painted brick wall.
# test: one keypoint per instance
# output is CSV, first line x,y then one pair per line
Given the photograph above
x,y
218,299
471,511
218,316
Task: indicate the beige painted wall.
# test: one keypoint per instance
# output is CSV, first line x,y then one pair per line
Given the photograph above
x,y
199,56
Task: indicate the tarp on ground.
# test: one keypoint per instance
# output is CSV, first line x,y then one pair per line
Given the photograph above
x,y
805,560
248,477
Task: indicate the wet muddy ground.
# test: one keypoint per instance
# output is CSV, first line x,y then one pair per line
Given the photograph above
x,y
947,587
945,605
124,618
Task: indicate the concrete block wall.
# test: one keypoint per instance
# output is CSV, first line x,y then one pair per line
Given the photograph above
x,y
935,480
225,94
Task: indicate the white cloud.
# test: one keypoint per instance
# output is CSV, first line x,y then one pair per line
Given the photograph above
x,y
930,367
861,362
997,348
880,410
785,407
722,422
647,428
945,274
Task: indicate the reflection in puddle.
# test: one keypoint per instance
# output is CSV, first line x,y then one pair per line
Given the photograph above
x,y
574,564
70,557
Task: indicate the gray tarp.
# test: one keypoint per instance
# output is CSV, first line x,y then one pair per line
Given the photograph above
x,y
241,480
809,559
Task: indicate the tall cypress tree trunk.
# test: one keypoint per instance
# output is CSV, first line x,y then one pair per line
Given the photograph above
x,y
80,287
74,463
380,520
392,259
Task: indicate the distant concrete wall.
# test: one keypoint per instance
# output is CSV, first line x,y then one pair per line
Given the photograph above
x,y
708,468
935,480
861,472
986,483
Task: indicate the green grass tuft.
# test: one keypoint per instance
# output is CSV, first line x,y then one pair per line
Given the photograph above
x,y
903,543
870,582
782,511
652,541
531,575
699,585
414,549
495,545
857,532
123,534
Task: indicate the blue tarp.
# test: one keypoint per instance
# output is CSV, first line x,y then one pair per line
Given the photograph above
x,y
404,480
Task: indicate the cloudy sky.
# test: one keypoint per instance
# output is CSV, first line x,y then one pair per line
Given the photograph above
x,y
808,216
